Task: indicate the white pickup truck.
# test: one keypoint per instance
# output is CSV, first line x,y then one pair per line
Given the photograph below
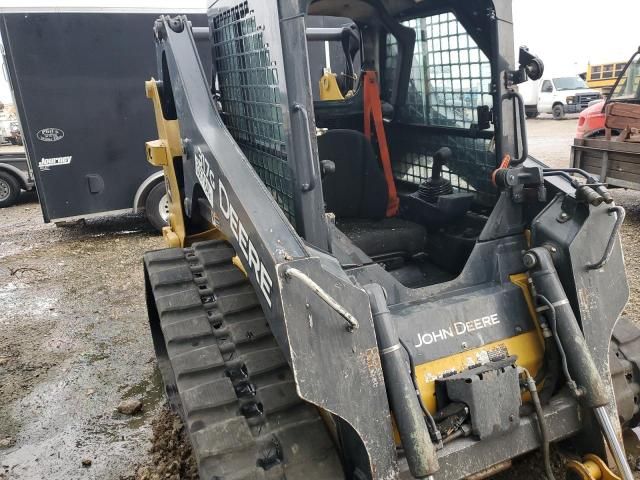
x,y
557,96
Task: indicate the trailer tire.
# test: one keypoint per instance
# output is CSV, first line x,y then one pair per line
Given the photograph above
x,y
558,111
9,189
156,207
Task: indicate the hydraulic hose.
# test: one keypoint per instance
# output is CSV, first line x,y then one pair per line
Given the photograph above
x,y
563,357
433,427
419,449
552,374
544,431
580,366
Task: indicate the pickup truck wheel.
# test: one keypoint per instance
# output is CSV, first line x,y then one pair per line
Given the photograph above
x,y
157,206
9,189
558,112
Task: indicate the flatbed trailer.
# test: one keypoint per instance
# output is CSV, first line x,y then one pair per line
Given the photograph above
x,y
616,163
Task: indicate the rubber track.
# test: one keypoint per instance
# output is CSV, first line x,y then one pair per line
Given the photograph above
x,y
624,363
225,375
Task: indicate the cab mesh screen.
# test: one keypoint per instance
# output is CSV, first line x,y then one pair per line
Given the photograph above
x,y
250,97
469,169
450,78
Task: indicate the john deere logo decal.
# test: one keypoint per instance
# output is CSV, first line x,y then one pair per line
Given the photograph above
x,y
50,135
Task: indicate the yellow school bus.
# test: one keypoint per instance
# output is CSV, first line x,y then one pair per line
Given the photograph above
x,y
604,76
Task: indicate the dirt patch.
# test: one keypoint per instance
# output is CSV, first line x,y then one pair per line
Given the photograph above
x,y
630,200
170,456
74,342
550,140
531,467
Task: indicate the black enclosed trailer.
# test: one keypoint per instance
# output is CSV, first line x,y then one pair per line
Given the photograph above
x,y
78,82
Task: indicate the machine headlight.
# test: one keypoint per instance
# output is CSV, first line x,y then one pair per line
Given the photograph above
x,y
571,100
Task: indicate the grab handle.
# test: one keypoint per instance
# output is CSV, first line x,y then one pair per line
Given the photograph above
x,y
519,111
312,175
612,239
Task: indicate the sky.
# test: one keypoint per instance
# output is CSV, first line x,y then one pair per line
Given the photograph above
x,y
569,34
566,34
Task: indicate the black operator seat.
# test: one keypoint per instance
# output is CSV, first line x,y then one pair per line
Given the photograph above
x,y
357,194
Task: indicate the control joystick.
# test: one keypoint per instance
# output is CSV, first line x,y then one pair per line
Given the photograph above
x,y
436,186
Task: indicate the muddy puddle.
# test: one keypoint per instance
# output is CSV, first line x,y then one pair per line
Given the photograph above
x,y
74,343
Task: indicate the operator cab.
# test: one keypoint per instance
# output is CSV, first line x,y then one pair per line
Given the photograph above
x,y
419,144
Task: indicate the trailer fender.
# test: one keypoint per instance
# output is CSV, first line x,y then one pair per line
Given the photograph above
x,y
144,189
22,177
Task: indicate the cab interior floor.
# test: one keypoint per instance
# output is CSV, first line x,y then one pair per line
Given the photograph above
x,y
420,273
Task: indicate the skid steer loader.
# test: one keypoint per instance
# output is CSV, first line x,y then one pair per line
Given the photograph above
x,y
380,283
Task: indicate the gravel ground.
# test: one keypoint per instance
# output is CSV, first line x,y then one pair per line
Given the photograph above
x,y
74,343
550,140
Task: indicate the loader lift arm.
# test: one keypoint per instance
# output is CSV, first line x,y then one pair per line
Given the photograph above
x,y
214,169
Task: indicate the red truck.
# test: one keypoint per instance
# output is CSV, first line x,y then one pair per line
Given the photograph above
x,y
626,89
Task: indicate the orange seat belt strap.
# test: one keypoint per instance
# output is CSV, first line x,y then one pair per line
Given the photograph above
x,y
373,110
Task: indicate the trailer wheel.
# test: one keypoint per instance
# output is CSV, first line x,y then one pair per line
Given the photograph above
x,y
558,112
157,206
9,189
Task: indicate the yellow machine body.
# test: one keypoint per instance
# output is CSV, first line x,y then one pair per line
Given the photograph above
x,y
592,467
329,89
527,346
162,153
